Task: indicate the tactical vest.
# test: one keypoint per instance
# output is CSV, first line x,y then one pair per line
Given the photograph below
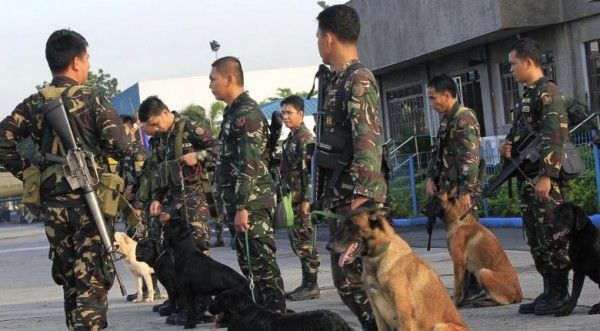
x,y
51,143
335,149
443,139
170,171
109,186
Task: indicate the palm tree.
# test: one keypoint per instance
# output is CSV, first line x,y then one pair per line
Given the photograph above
x,y
216,111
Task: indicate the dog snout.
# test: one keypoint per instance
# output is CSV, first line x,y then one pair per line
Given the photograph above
x,y
328,246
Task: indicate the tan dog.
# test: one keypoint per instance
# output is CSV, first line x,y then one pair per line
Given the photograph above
x,y
126,247
404,291
474,248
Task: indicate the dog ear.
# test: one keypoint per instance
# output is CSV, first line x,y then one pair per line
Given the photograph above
x,y
380,213
581,218
376,216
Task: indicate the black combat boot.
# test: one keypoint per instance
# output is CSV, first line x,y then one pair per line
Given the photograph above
x,y
529,308
309,291
559,297
287,294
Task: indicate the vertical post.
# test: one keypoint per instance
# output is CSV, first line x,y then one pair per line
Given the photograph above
x,y
596,167
413,184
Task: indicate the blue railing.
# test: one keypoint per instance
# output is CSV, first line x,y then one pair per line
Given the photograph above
x,y
409,171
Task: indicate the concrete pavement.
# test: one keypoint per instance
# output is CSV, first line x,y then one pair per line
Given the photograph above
x,y
29,300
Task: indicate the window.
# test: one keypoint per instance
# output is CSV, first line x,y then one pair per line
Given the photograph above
x,y
407,114
510,91
548,65
592,55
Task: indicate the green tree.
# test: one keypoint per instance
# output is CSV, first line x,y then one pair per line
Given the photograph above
x,y
102,81
283,92
195,113
216,111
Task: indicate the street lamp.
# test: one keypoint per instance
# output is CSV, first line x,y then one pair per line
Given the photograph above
x,y
214,46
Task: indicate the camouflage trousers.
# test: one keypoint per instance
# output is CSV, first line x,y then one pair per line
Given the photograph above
x,y
301,240
77,265
219,226
260,250
347,280
196,212
548,254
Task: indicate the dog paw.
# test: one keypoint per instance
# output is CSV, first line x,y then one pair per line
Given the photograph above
x,y
565,311
149,299
595,309
137,301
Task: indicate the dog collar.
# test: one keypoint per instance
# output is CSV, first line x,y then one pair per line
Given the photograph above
x,y
381,249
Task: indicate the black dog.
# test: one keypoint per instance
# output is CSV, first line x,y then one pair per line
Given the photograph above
x,y
245,315
197,275
584,249
150,251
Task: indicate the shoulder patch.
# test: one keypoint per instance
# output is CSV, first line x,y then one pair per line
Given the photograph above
x,y
358,90
240,121
199,131
546,99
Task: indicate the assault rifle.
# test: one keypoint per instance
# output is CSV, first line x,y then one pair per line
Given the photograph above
x,y
317,179
528,149
78,163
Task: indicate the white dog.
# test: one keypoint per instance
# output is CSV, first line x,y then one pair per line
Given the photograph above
x,y
126,247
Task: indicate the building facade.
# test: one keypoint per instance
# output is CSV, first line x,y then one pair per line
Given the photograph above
x,y
407,42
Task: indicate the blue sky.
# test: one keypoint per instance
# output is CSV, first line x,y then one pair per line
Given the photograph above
x,y
137,40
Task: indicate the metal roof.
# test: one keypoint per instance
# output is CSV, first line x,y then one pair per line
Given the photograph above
x,y
310,107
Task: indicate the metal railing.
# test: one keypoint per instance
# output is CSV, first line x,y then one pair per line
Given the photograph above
x,y
409,172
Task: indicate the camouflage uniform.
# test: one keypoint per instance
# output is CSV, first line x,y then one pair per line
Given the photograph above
x,y
457,153
195,138
358,114
145,183
244,181
295,171
543,109
75,245
456,164
130,171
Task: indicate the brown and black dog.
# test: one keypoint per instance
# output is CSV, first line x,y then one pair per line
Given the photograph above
x,y
404,291
474,248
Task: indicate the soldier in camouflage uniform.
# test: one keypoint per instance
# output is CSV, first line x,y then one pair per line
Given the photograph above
x,y
196,142
350,113
295,173
75,246
181,146
455,165
145,183
129,169
542,109
245,183
139,195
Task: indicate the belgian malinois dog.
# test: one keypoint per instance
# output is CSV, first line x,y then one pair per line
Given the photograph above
x,y
404,291
474,248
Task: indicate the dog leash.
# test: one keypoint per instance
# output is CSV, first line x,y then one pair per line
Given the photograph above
x,y
528,180
250,275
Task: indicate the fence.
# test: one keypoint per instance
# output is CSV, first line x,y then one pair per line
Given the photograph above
x,y
408,173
